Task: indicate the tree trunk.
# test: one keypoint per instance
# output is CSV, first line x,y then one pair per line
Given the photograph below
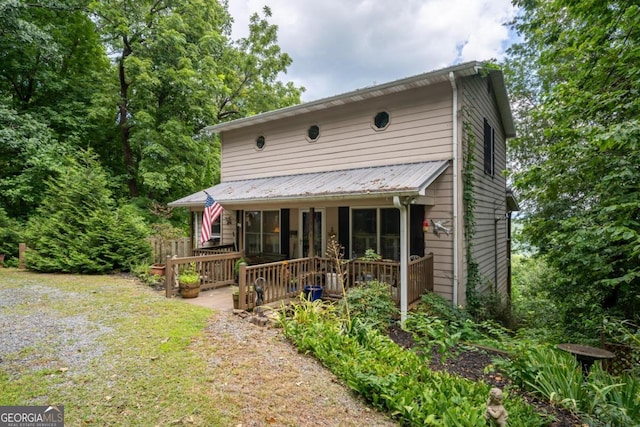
x,y
127,152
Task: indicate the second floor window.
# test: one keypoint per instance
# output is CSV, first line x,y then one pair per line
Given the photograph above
x,y
489,149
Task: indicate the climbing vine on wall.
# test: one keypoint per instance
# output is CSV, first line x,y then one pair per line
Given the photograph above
x,y
469,203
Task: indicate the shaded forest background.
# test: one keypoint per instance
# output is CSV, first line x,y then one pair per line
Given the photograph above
x,y
102,104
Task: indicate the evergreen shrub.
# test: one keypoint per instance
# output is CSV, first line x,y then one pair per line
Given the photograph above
x,y
79,228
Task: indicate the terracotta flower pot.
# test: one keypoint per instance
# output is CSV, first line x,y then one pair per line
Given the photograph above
x,y
157,269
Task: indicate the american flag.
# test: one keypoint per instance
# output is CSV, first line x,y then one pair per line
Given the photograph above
x,y
212,211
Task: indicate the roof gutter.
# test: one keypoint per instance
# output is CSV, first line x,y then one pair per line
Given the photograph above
x,y
454,87
302,198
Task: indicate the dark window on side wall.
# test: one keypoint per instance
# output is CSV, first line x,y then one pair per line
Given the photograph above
x,y
313,133
260,142
381,120
489,149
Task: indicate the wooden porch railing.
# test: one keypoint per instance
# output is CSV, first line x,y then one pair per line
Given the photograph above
x,y
220,249
215,270
420,277
286,279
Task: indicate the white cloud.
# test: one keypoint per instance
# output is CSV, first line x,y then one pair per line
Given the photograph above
x,y
339,45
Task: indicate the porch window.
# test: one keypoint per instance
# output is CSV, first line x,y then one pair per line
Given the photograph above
x,y
377,229
216,230
262,232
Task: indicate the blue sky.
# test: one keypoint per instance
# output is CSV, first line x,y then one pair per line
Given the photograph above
x,y
342,45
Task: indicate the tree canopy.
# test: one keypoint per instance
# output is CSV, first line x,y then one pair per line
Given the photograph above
x,y
574,81
134,82
179,71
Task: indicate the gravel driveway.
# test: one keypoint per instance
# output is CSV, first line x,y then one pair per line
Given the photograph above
x,y
35,337
252,367
280,386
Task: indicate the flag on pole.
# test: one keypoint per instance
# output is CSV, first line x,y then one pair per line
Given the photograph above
x,y
212,211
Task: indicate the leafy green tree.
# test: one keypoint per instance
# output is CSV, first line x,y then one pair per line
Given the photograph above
x,y
575,80
52,64
178,72
29,155
78,227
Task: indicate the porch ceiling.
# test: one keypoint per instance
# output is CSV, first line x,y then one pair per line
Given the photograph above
x,y
409,179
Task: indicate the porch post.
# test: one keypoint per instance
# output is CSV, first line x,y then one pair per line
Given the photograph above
x,y
242,287
312,226
404,258
168,277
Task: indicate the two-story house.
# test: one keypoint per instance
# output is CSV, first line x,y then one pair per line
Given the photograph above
x,y
384,168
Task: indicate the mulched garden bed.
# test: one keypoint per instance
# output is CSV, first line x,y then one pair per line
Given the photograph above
x,y
471,364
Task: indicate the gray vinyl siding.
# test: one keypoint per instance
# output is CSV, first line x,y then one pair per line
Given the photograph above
x,y
441,246
489,252
420,129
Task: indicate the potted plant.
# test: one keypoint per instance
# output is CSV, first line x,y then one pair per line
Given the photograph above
x,y
370,255
157,269
235,294
236,268
189,282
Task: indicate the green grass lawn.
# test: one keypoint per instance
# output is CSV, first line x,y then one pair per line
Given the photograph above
x,y
138,358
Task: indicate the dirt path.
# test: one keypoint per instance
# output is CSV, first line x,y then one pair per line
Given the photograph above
x,y
278,385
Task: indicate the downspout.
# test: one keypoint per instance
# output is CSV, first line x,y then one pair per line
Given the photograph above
x,y
452,79
509,254
495,254
404,259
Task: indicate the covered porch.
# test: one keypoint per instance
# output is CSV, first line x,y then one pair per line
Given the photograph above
x,y
285,280
283,224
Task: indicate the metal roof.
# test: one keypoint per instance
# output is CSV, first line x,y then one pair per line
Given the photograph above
x,y
425,79
409,179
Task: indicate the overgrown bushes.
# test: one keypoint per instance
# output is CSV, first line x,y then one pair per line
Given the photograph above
x,y
372,304
600,398
399,381
9,238
391,378
79,228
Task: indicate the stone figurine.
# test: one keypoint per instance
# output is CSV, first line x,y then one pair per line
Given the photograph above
x,y
495,413
259,293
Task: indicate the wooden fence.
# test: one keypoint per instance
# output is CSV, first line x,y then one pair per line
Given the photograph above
x,y
162,248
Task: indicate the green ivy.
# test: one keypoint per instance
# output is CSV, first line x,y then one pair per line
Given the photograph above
x,y
469,202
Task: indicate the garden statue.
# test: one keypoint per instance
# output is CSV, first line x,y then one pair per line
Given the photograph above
x,y
258,286
495,413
